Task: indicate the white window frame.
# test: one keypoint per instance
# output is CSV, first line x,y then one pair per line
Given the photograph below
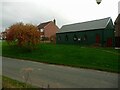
x,y
41,30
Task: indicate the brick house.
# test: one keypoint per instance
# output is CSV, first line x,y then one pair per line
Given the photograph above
x,y
48,30
117,31
3,34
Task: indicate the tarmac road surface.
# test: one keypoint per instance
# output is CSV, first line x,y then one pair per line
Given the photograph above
x,y
56,76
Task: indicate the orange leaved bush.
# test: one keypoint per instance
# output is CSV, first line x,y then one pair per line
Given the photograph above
x,y
24,35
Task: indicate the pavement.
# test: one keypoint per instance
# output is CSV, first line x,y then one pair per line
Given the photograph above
x,y
56,76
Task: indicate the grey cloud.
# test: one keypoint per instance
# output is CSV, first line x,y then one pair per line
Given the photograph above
x,y
119,7
28,13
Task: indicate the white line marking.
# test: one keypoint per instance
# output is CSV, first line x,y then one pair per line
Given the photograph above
x,y
39,69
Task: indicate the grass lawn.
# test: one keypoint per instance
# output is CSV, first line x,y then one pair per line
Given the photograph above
x,y
77,56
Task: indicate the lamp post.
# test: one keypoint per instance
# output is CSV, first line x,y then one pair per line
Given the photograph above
x,y
98,1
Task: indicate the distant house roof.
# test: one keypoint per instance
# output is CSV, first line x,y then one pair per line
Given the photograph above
x,y
117,26
42,25
117,19
90,25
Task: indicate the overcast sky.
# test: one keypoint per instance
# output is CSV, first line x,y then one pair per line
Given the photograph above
x,y
64,11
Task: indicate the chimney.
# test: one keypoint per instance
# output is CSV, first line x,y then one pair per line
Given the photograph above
x,y
54,21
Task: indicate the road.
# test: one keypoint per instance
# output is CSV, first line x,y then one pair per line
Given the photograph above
x,y
0,71
55,76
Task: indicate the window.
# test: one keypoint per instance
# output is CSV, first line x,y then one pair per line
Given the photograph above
x,y
79,39
41,37
66,37
75,37
85,37
41,30
59,38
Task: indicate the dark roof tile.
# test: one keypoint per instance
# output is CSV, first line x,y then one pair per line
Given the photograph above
x,y
42,25
89,25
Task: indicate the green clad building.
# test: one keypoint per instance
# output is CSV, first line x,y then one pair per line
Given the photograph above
x,y
97,32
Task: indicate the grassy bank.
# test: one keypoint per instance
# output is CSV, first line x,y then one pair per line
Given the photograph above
x,y
87,57
11,83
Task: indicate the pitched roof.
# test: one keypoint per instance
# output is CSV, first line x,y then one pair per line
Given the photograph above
x,y
117,19
42,25
117,26
90,25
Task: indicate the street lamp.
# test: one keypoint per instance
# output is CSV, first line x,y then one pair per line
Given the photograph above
x,y
98,1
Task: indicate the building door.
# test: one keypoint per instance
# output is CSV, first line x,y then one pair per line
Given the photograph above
x,y
97,38
109,42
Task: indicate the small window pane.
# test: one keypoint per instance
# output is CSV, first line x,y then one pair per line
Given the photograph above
x,y
59,38
75,37
41,30
85,37
66,37
79,39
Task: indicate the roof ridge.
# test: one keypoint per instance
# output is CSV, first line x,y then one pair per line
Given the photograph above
x,y
88,21
88,25
45,22
42,25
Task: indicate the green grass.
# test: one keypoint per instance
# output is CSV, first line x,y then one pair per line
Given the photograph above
x,y
71,55
11,83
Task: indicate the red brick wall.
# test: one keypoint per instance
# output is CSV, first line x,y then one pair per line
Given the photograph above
x,y
50,29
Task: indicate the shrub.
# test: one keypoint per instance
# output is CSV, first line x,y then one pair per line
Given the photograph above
x,y
23,35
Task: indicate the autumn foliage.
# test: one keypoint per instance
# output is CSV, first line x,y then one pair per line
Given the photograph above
x,y
24,35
